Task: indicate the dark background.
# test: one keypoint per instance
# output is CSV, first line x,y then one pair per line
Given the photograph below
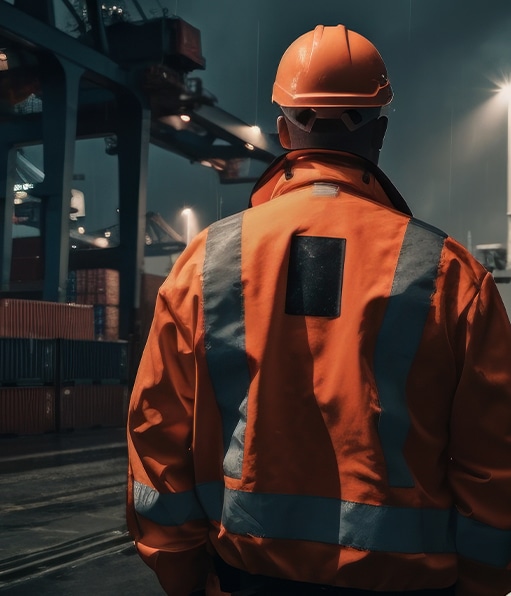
x,y
446,146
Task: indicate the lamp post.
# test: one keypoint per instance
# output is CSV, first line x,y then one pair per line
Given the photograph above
x,y
187,212
505,93
508,259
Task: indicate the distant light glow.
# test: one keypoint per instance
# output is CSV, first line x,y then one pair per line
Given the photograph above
x,y
100,242
206,163
191,224
24,186
81,230
185,117
19,195
4,64
249,146
108,234
256,129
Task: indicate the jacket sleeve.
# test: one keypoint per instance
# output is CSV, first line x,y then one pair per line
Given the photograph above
x,y
480,449
164,515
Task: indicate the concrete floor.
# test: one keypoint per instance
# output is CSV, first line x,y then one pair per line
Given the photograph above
x,y
62,517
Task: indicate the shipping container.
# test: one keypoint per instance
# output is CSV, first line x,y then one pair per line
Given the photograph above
x,y
45,320
93,362
27,361
88,406
27,410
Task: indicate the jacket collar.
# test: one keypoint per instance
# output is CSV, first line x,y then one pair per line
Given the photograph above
x,y
303,167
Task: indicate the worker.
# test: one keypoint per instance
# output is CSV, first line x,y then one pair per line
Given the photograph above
x,y
323,405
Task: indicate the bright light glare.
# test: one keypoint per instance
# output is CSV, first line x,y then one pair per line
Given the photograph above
x,y
505,91
81,230
190,224
249,146
256,129
185,117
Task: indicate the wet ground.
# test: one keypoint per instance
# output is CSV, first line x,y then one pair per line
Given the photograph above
x,y
62,517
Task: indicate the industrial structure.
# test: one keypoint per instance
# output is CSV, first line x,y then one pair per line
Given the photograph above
x,y
127,80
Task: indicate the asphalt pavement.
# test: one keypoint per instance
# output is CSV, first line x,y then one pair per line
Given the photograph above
x,y
62,517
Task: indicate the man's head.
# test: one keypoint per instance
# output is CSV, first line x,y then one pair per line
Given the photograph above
x,y
331,85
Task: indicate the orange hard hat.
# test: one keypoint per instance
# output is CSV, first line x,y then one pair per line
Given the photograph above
x,y
331,67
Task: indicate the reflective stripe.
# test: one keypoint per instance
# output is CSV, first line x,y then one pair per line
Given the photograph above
x,y
225,334
167,509
483,543
399,337
332,521
299,517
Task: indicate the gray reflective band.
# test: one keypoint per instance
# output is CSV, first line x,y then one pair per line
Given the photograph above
x,y
399,337
167,509
332,521
483,543
225,334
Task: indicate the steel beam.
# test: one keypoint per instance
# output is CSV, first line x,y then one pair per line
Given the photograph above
x,y
133,137
15,132
36,35
61,85
7,164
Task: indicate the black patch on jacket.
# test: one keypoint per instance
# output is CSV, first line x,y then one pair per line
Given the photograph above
x,y
314,277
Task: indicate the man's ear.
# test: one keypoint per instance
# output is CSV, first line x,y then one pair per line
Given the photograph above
x,y
283,130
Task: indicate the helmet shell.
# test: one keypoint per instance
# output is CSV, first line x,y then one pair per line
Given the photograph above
x,y
331,67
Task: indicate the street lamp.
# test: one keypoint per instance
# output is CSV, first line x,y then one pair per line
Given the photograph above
x,y
505,93
187,212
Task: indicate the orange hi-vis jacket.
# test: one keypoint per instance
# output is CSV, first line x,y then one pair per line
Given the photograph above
x,y
325,396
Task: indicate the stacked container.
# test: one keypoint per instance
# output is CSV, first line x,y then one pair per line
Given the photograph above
x,y
100,289
53,374
27,385
93,384
45,320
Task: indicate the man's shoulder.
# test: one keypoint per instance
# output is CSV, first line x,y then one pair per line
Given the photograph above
x,y
461,262
454,256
